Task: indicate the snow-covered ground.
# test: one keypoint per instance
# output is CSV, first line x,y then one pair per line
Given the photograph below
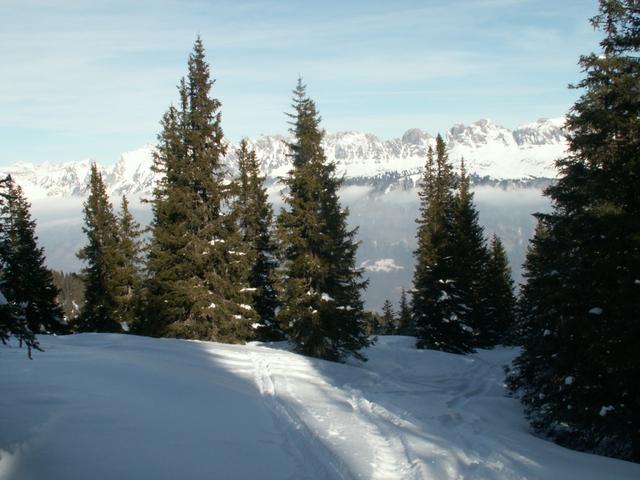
x,y
98,406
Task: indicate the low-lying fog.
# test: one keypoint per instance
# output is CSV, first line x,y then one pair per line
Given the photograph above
x,y
386,230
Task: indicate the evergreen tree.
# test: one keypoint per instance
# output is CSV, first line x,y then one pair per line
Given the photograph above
x,y
373,323
499,325
255,218
388,318
13,323
26,281
101,257
405,322
126,275
322,311
577,374
470,260
437,308
197,286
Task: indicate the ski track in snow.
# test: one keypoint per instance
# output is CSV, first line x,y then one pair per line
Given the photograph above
x,y
260,411
294,430
380,446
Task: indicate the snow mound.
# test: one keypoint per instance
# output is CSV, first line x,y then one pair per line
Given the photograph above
x,y
115,406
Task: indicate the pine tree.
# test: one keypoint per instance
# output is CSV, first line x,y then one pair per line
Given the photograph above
x,y
255,218
499,325
197,286
101,257
322,311
405,322
26,281
471,258
437,309
579,310
127,279
388,318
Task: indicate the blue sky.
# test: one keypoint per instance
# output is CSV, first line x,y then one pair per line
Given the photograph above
x,y
91,79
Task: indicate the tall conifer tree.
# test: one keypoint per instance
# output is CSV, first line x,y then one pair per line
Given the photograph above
x,y
101,256
197,285
255,220
577,374
437,308
388,318
499,324
470,260
127,276
405,322
26,282
322,311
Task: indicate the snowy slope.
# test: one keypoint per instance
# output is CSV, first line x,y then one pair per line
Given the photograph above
x,y
488,149
111,406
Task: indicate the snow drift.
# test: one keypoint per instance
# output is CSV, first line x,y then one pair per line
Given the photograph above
x,y
113,406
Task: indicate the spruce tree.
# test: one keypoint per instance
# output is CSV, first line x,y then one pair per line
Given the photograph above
x,y
126,276
471,258
405,322
255,222
101,258
197,286
26,281
577,374
437,309
499,325
322,311
388,318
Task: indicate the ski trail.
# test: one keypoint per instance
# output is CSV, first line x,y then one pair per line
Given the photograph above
x,y
307,404
391,452
311,406
309,454
477,386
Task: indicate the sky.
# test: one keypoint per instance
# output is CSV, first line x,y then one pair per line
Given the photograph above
x,y
92,78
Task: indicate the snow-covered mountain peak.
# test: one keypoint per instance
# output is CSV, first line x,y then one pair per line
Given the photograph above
x,y
489,150
542,132
415,136
479,133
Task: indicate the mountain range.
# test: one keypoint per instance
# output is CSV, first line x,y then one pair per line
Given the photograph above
x,y
509,169
489,150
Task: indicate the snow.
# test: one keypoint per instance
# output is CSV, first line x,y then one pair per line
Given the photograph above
x,y
488,150
596,311
245,306
382,265
325,297
606,409
104,406
569,380
3,299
